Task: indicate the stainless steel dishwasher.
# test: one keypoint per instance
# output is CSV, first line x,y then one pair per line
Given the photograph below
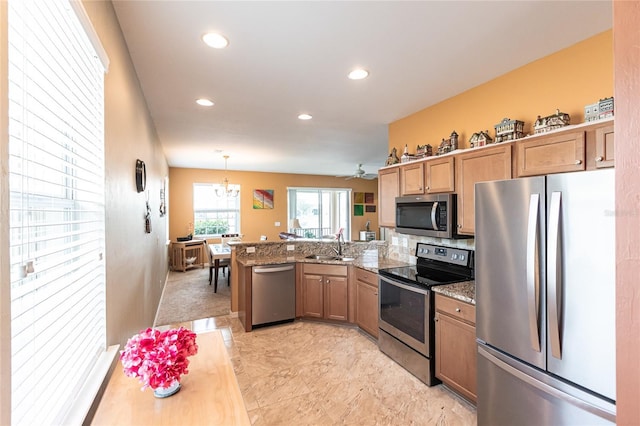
x,y
273,294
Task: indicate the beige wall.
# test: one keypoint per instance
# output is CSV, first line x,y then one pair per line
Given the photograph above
x,y
257,222
136,262
627,130
568,79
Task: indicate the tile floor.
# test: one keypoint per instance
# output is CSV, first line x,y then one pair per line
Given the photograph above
x,y
312,373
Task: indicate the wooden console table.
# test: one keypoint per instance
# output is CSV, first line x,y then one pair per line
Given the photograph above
x,y
210,394
182,250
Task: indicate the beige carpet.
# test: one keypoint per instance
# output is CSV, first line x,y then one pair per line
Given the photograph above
x,y
188,296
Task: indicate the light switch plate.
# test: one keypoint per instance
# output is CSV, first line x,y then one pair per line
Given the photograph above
x,y
277,223
291,247
405,242
251,249
394,241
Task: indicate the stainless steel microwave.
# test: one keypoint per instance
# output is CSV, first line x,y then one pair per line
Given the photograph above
x,y
427,215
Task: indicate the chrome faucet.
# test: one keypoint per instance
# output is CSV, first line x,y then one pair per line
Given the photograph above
x,y
340,244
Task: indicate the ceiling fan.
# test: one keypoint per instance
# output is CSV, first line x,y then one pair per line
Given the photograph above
x,y
360,174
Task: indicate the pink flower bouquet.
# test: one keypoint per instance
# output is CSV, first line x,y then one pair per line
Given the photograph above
x,y
159,358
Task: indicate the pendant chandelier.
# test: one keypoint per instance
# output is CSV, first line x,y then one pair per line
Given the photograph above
x,y
227,190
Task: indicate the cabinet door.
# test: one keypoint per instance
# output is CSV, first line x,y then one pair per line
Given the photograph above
x,y
412,179
485,164
335,298
553,154
456,355
367,308
312,296
604,147
439,175
388,190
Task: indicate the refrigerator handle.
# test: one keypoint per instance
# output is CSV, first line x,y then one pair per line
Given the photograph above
x,y
434,210
533,272
554,279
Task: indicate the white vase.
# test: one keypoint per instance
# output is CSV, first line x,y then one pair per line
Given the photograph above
x,y
165,392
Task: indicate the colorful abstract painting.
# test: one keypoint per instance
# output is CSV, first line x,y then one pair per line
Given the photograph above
x,y
263,198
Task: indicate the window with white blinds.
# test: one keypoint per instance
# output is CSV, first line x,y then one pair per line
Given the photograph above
x,y
56,179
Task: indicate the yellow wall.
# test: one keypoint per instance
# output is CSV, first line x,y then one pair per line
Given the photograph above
x,y
257,222
568,79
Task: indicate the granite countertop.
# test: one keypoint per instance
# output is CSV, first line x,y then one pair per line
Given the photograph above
x,y
368,263
465,291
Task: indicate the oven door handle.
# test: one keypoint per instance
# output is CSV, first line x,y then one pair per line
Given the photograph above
x,y
403,286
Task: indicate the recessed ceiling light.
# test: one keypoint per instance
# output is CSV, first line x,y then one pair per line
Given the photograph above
x,y
358,74
215,40
305,117
204,102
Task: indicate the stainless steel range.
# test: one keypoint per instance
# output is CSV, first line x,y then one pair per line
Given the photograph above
x,y
407,309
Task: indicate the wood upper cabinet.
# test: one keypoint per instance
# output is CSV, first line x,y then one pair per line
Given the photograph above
x,y
557,153
604,147
412,178
367,301
478,165
325,291
388,190
456,351
439,175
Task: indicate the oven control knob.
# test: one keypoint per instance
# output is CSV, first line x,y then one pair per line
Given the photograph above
x,y
462,257
454,256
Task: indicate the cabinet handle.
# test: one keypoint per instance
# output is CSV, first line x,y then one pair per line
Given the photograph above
x,y
599,159
375,294
578,162
457,309
428,188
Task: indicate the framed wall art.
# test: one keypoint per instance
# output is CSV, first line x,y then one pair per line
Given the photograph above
x,y
263,198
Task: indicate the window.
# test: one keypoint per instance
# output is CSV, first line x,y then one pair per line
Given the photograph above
x,y
56,190
316,212
214,215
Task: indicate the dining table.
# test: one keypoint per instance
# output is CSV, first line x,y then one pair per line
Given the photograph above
x,y
217,252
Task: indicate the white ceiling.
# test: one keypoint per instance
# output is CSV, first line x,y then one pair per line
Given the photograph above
x,y
286,58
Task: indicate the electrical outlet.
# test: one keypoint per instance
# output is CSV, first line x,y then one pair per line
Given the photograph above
x,y
394,241
277,223
291,247
251,249
405,242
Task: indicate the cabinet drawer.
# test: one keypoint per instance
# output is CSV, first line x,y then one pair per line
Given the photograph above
x,y
367,277
321,269
456,308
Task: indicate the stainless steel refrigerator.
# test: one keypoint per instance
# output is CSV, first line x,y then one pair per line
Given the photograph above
x,y
545,300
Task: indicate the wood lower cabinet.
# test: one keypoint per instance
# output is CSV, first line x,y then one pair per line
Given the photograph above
x,y
558,153
456,351
412,178
388,190
367,301
478,165
439,175
325,292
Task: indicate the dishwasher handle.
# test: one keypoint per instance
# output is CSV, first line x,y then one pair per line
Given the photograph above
x,y
266,270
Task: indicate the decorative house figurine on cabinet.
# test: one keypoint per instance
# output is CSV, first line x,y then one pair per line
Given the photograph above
x,y
551,122
598,110
508,130
424,151
406,157
448,145
480,139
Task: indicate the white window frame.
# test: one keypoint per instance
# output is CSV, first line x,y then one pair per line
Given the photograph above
x,y
214,206
334,206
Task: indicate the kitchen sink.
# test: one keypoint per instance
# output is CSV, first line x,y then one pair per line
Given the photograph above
x,y
322,257
329,257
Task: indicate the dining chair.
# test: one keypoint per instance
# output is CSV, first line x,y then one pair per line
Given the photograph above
x,y
225,264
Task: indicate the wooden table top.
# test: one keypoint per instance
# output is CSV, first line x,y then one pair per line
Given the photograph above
x,y
209,395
